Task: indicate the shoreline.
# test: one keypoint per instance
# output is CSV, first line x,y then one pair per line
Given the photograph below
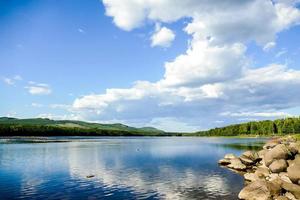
x,y
271,173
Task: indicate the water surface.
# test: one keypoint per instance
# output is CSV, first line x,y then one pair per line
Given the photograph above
x,y
119,168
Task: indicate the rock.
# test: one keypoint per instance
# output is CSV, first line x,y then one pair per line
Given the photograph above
x,y
224,162
90,176
251,177
275,187
294,147
271,144
281,198
292,188
294,170
246,160
262,172
290,196
284,177
230,156
252,155
278,166
272,177
262,153
257,190
237,164
278,152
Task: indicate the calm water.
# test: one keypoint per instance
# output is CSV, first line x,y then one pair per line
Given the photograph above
x,y
122,168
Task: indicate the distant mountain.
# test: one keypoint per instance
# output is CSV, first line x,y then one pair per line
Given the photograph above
x,y
48,127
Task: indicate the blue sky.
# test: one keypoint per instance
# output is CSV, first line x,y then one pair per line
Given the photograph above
x,y
177,67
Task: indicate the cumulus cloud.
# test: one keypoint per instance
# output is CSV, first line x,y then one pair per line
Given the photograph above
x,y
38,88
214,76
162,37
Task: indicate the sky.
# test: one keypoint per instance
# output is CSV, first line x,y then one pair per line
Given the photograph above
x,y
172,64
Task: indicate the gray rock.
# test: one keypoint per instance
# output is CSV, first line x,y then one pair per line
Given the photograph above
x,y
278,166
292,188
237,164
294,169
257,190
278,152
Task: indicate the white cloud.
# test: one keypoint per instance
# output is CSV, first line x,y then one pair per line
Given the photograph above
x,y
37,105
12,80
281,53
38,88
162,37
214,75
269,46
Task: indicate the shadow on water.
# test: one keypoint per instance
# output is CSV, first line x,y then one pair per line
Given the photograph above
x,y
255,146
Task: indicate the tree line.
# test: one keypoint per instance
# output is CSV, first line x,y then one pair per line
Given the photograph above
x,y
263,128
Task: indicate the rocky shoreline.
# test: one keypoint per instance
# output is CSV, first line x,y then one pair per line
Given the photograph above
x,y
272,173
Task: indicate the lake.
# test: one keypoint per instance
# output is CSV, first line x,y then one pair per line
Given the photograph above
x,y
119,168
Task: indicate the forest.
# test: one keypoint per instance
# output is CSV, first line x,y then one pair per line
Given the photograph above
x,y
47,127
261,128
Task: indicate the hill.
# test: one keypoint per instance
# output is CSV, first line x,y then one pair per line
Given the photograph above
x,y
48,127
263,128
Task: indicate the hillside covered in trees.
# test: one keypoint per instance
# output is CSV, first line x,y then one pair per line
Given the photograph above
x,y
263,128
47,127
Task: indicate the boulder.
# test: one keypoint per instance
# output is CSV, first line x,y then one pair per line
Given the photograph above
x,y
282,198
272,177
284,177
292,188
251,177
278,152
230,156
294,170
252,155
294,147
257,190
246,160
262,172
278,166
290,196
262,153
224,162
237,164
271,144
275,187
